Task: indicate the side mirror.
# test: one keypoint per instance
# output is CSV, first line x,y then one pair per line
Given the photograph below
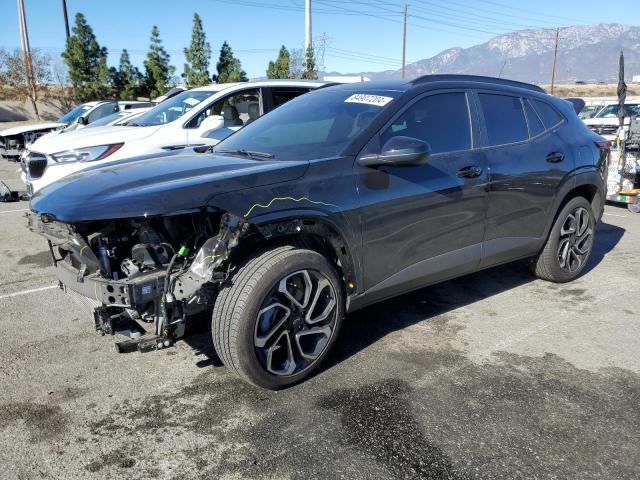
x,y
83,121
399,152
209,124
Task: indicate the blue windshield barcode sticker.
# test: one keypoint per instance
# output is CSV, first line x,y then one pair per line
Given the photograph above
x,y
377,100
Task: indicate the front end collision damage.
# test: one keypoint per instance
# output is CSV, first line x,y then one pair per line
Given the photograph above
x,y
147,278
144,277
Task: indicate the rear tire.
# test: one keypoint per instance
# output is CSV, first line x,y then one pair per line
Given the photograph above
x,y
633,207
569,244
278,316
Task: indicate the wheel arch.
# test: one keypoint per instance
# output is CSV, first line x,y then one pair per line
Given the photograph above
x,y
315,231
589,185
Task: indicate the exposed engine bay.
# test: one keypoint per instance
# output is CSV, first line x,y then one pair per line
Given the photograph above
x,y
12,146
145,277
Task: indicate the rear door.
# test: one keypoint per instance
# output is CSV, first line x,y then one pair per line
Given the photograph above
x,y
421,224
528,160
102,111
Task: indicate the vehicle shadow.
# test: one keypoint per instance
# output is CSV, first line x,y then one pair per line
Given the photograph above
x,y
365,327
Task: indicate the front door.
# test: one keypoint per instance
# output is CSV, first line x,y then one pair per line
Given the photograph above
x,y
422,224
237,109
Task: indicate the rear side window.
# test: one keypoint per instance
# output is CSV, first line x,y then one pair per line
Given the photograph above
x,y
550,117
441,120
535,125
283,95
504,119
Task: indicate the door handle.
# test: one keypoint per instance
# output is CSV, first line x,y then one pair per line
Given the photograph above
x,y
555,157
470,172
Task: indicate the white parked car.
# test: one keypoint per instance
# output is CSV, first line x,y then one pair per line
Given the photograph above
x,y
14,140
606,122
198,117
119,118
122,117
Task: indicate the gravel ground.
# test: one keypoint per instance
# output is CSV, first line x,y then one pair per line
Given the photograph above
x,y
495,375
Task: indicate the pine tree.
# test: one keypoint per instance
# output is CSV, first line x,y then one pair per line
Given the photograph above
x,y
229,67
280,68
158,71
310,70
196,71
87,63
271,70
127,79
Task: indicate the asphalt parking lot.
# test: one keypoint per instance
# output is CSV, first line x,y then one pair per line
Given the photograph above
x,y
494,375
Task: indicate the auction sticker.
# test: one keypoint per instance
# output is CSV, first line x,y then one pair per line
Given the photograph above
x,y
377,100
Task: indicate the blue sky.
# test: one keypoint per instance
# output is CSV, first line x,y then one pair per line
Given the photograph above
x,y
361,34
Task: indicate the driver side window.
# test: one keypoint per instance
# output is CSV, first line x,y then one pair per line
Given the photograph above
x,y
441,120
238,109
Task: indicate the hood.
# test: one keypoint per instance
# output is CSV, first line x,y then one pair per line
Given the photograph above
x,y
90,137
30,128
157,185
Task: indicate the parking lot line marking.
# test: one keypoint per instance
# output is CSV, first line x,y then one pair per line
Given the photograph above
x,y
20,210
26,292
616,215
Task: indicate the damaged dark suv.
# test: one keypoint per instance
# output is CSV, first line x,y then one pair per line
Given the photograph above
x,y
338,199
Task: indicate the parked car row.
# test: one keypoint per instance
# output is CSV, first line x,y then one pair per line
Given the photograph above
x,y
335,200
199,117
14,140
606,123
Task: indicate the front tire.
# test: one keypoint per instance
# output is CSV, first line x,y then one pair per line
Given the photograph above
x,y
569,244
278,316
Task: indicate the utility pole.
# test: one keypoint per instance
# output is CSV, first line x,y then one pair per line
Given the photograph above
x,y
404,41
555,56
26,53
66,18
307,26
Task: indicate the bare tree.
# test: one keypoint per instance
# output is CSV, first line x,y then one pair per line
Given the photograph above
x,y
296,62
13,75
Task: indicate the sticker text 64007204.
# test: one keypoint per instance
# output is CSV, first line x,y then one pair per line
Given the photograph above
x,y
377,100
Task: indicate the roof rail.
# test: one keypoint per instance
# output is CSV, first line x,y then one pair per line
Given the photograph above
x,y
477,79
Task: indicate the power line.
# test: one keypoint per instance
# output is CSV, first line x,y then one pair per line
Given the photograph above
x,y
456,25
379,57
477,19
520,9
474,10
425,27
290,8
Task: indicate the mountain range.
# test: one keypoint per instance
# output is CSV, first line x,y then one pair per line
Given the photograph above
x,y
586,53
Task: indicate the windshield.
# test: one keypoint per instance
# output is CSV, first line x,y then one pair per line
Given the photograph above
x,y
73,114
316,125
610,111
171,109
108,120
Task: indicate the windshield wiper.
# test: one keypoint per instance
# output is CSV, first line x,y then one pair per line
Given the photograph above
x,y
246,153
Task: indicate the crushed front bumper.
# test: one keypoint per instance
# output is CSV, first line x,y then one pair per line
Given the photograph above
x,y
139,293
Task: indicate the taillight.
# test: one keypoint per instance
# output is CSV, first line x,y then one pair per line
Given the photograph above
x,y
604,145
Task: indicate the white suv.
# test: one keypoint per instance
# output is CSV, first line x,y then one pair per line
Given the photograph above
x,y
202,116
